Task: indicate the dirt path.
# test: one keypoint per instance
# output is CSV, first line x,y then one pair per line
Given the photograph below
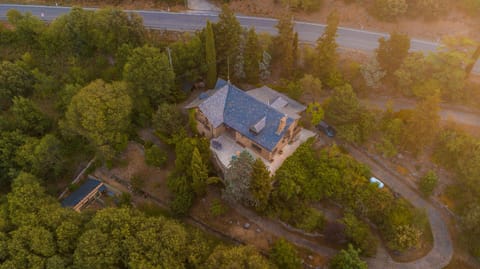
x,y
276,229
442,250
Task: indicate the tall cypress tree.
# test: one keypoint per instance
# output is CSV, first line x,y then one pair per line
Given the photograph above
x,y
199,173
284,45
253,56
227,40
210,56
325,65
261,185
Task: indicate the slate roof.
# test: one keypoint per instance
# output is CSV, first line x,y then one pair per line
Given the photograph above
x,y
240,111
279,101
78,195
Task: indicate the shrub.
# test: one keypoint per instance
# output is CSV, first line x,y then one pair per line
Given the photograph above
x,y
284,255
154,156
217,208
360,235
428,183
312,220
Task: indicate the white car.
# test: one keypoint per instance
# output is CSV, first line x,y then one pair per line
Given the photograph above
x,y
377,181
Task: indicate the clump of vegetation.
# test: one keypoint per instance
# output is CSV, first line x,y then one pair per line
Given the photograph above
x,y
217,208
311,221
284,255
348,258
428,183
359,234
155,156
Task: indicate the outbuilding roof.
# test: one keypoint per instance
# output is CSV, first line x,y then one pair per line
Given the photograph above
x,y
78,195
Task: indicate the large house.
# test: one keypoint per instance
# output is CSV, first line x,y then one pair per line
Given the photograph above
x,y
261,121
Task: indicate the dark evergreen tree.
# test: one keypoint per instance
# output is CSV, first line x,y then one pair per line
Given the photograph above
x,y
325,63
210,56
283,46
253,56
261,185
227,39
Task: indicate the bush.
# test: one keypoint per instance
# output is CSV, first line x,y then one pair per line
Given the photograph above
x,y
154,156
181,203
312,220
428,183
217,208
284,255
360,235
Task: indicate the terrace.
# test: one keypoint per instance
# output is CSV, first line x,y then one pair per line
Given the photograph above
x,y
225,148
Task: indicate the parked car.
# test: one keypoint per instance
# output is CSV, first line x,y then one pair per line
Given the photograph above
x,y
377,181
327,129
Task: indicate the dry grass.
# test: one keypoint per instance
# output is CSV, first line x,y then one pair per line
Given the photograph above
x,y
126,4
356,15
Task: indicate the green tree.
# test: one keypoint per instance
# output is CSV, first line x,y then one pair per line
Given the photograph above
x,y
389,10
28,118
114,28
348,259
199,173
392,52
149,77
189,58
210,56
316,113
412,71
260,185
227,40
155,156
28,29
168,120
9,144
284,255
253,56
422,126
14,81
360,235
100,112
312,86
236,257
238,178
325,61
41,157
283,45
428,183
70,35
344,106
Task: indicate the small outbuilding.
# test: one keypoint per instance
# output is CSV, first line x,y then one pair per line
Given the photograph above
x,y
87,192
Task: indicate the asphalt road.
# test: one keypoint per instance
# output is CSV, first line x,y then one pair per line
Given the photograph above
x,y
307,32
191,21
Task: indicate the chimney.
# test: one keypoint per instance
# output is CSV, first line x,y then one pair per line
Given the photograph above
x,y
281,125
